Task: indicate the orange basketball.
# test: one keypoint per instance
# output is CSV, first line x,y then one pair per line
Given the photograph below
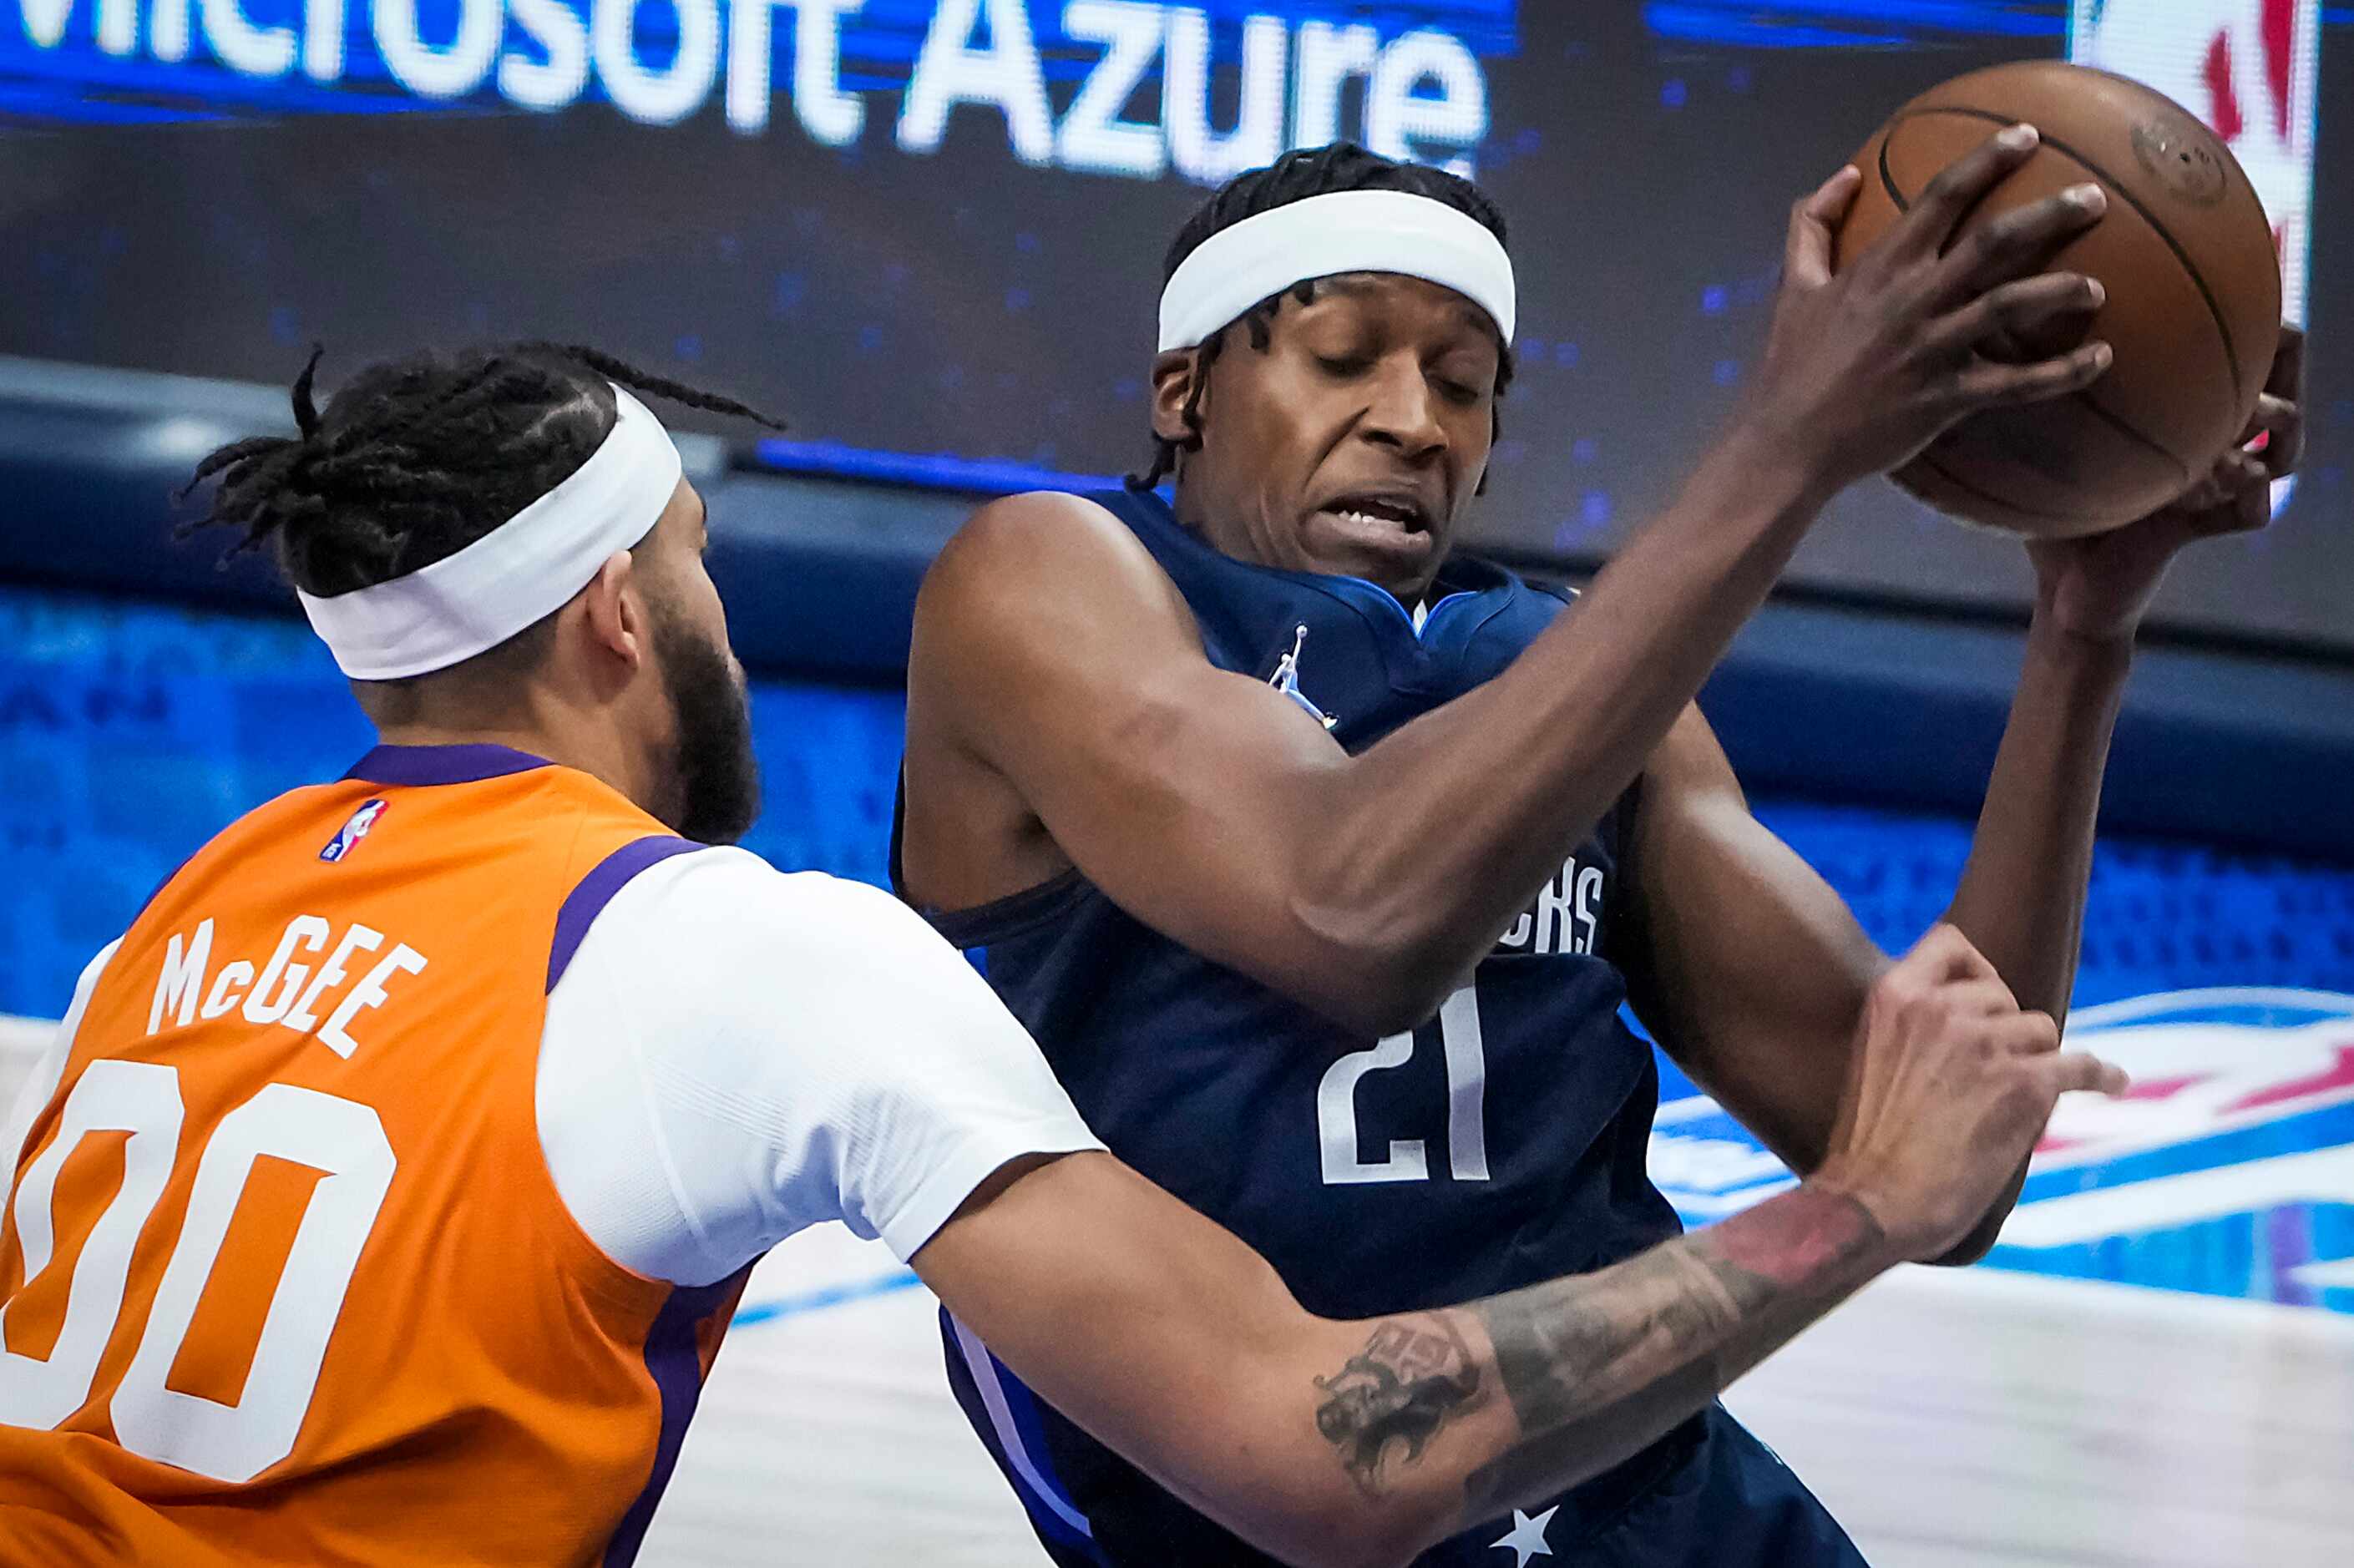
x,y
2194,294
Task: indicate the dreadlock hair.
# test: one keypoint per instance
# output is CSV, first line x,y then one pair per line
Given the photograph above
x,y
415,459
1296,177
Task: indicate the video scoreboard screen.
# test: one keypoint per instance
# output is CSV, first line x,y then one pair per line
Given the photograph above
x,y
935,227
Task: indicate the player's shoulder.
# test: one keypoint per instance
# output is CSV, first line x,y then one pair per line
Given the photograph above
x,y
715,905
291,812
1043,542
294,826
1039,520
1035,591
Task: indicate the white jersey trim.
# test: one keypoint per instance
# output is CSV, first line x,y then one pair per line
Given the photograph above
x,y
985,1381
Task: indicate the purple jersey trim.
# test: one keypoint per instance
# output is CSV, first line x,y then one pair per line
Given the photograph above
x,y
425,765
674,1358
596,890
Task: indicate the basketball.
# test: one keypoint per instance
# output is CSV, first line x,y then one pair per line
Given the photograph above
x,y
2185,253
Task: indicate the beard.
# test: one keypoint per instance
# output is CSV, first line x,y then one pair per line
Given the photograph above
x,y
716,771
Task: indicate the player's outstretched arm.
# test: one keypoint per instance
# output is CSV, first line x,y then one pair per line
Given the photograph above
x,y
1359,1443
1363,1443
1050,653
1756,988
2022,895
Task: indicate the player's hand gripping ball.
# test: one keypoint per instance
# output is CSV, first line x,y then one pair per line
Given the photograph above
x,y
2184,253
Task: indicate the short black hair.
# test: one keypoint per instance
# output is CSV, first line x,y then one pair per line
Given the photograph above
x,y
415,459
1296,177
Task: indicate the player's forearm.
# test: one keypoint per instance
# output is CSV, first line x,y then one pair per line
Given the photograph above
x,y
2022,898
1347,1445
1549,1386
1520,769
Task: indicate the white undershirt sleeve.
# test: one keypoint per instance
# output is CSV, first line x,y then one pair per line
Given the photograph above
x,y
736,1053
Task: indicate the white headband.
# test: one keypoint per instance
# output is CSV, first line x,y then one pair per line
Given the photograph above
x,y
525,568
1324,236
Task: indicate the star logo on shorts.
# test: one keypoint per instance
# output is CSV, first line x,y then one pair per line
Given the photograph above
x,y
1527,1539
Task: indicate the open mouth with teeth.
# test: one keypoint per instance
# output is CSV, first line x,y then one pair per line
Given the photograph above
x,y
1373,514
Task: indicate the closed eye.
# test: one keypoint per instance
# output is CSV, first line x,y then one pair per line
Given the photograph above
x,y
1344,365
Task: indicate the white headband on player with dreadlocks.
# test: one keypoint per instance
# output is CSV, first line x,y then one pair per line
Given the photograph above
x,y
1325,236
520,571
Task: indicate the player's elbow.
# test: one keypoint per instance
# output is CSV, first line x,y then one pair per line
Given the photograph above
x,y
1394,1536
1395,993
1372,990
1400,1007
1376,968
1351,1531
1377,1554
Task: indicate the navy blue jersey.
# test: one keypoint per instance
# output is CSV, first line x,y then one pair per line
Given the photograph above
x,y
1499,1144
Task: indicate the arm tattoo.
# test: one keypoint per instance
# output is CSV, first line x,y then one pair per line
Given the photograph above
x,y
1598,1367
1391,1399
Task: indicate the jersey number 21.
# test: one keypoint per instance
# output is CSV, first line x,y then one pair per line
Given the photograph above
x,y
1467,1093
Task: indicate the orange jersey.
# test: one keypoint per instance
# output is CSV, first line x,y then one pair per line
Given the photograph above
x,y
283,1275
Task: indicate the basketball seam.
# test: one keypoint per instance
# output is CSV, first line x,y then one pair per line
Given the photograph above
x,y
2106,417
2118,423
2108,181
1958,482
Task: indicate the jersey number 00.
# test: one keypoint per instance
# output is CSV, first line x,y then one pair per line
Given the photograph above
x,y
232,1443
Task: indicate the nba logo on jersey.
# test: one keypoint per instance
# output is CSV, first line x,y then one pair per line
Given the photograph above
x,y
349,835
2250,70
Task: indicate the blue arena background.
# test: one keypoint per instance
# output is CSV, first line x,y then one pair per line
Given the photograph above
x,y
129,734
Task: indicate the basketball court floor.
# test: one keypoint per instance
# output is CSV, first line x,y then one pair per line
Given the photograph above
x,y
1991,1417
1950,1420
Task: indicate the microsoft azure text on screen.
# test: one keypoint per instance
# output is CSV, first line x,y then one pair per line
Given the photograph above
x,y
1136,79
